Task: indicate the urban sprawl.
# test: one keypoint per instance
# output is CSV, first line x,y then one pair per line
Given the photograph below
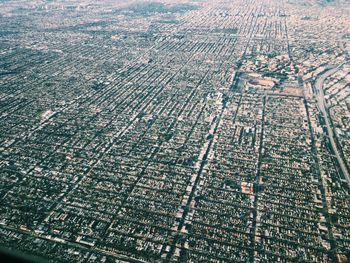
x,y
175,131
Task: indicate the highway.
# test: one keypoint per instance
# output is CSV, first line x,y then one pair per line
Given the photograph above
x,y
321,102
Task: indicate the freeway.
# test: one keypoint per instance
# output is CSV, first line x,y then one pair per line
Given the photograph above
x,y
321,102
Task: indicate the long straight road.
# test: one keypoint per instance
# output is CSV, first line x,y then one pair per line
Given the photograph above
x,y
321,102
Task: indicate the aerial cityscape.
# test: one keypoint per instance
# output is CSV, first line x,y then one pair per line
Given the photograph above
x,y
175,130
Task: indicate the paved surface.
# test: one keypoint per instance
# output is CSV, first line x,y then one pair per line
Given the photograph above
x,y
323,108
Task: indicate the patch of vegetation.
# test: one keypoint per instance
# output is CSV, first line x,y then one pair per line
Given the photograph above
x,y
157,7
227,30
39,113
